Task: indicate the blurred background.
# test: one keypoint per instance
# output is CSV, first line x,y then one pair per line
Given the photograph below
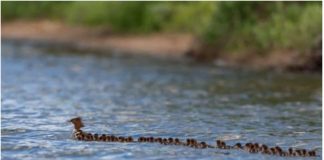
x,y
270,34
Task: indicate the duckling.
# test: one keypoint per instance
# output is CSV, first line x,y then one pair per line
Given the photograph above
x,y
89,137
76,134
83,137
108,138
218,144
312,153
222,145
284,154
304,152
273,151
170,140
237,146
177,141
79,137
298,152
129,139
151,139
290,151
121,139
252,149
203,145
278,150
114,138
96,137
140,139
256,146
102,137
194,141
264,149
165,141
247,146
188,142
158,140
225,146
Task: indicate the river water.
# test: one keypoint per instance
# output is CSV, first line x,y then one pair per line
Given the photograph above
x,y
143,96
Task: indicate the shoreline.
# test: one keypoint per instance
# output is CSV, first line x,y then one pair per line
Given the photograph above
x,y
55,35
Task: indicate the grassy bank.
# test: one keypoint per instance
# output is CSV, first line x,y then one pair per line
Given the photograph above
x,y
237,29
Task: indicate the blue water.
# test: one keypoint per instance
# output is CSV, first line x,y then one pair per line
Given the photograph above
x,y
144,96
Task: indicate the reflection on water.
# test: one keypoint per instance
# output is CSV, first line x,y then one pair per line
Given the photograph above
x,y
149,97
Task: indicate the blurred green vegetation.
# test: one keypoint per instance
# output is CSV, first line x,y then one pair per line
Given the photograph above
x,y
249,26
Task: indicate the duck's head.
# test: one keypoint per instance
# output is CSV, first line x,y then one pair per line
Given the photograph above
x,y
77,122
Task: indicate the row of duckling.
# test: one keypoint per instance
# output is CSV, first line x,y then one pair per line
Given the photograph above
x,y
249,147
83,136
96,137
175,141
264,149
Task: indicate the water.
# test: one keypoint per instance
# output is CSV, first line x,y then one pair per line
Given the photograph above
x,y
142,96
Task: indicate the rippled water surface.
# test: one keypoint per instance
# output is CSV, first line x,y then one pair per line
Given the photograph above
x,y
138,96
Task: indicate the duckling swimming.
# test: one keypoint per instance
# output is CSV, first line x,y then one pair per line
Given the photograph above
x,y
264,149
170,140
238,146
151,139
203,145
159,140
96,137
290,152
221,144
140,139
129,139
247,146
278,150
312,153
102,137
121,139
177,141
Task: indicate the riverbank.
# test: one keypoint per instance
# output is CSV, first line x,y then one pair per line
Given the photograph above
x,y
97,40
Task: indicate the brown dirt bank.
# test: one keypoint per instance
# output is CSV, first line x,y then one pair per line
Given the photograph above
x,y
58,35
